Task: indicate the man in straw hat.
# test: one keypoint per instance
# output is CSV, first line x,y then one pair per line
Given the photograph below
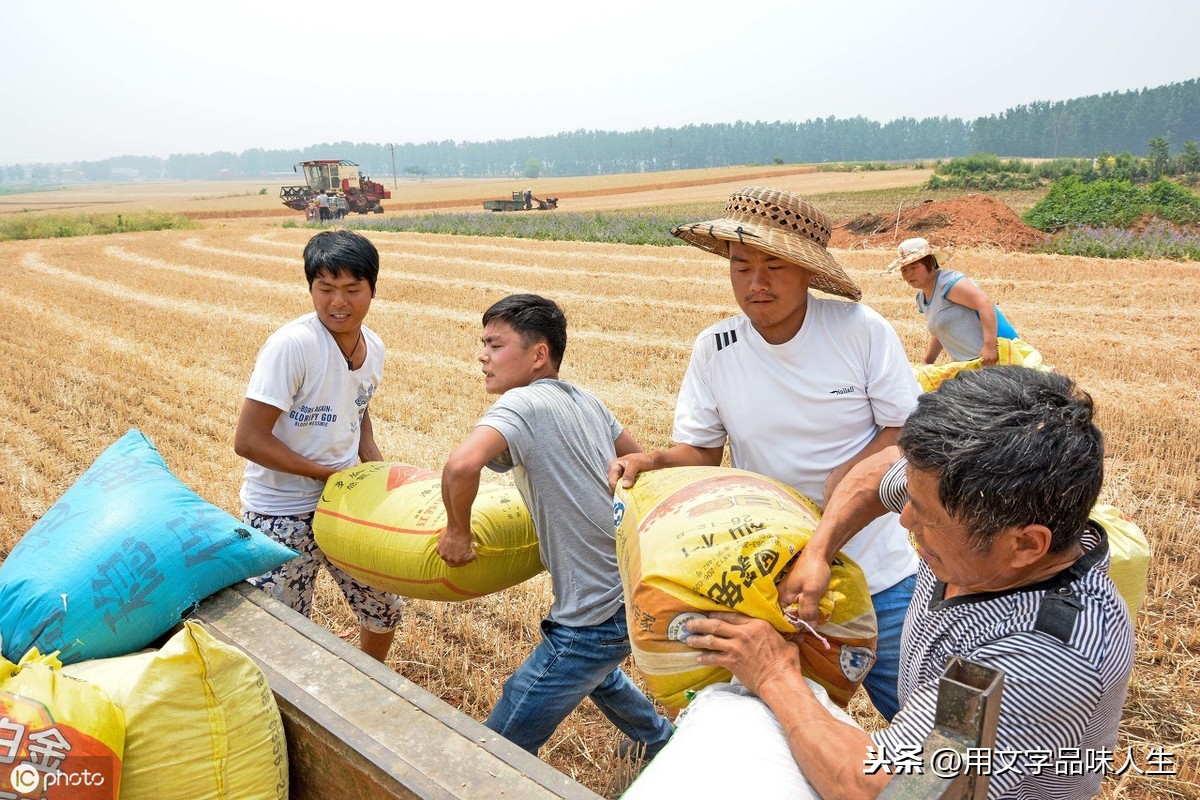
x,y
802,387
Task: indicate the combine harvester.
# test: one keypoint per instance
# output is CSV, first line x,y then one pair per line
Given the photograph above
x,y
348,189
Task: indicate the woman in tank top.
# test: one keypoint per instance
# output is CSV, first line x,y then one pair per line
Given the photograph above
x,y
961,318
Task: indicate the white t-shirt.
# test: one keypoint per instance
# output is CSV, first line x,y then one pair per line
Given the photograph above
x,y
301,371
796,411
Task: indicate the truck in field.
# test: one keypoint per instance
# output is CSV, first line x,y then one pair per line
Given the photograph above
x,y
522,201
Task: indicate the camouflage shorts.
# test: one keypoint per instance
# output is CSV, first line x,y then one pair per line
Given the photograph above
x,y
292,583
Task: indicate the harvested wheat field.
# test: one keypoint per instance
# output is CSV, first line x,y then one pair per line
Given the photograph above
x,y
159,331
251,198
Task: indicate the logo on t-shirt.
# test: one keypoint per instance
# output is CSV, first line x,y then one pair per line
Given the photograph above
x,y
725,339
843,390
307,416
364,395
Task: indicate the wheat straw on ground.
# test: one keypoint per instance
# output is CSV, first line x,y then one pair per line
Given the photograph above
x,y
159,331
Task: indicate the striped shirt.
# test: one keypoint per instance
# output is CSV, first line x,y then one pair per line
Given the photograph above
x,y
1064,685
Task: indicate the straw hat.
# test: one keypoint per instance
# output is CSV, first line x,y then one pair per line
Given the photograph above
x,y
779,223
911,250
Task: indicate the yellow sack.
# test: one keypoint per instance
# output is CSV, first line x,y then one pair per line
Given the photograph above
x,y
202,722
60,738
380,523
1011,352
1129,555
693,540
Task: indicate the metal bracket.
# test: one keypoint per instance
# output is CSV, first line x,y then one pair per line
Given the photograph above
x,y
968,709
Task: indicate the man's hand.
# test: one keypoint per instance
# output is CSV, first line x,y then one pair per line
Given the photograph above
x,y
455,547
750,648
460,485
990,354
626,468
826,749
804,585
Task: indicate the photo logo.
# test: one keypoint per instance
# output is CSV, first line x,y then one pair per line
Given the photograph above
x,y
25,778
29,781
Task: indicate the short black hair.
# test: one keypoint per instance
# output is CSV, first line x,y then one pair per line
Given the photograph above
x,y
338,251
1010,446
535,319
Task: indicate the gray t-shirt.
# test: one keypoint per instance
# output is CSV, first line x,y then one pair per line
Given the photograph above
x,y
560,441
956,327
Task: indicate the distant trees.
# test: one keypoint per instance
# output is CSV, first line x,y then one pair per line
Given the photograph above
x,y
1189,159
1115,122
1160,157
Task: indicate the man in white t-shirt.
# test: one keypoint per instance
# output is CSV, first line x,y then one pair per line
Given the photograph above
x,y
305,417
802,388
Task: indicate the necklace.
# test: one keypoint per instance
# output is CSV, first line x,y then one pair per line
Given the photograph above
x,y
349,358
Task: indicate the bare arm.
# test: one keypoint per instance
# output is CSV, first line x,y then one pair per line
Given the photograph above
x,y
625,444
255,441
968,294
367,449
460,485
885,438
933,350
853,504
829,752
626,468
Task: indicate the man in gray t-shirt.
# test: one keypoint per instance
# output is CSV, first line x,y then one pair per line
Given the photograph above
x,y
558,439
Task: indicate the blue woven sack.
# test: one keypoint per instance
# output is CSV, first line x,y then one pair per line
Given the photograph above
x,y
120,558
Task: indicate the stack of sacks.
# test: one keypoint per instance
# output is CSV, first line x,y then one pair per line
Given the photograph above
x,y
110,568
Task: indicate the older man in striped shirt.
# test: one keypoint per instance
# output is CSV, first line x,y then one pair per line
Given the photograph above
x,y
1000,470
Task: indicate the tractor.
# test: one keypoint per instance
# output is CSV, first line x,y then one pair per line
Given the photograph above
x,y
348,189
521,201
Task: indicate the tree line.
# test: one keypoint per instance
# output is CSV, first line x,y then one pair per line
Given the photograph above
x,y
1082,127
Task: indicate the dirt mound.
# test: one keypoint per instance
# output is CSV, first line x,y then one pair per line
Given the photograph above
x,y
974,220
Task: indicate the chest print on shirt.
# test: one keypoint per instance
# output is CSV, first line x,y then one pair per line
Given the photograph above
x,y
365,393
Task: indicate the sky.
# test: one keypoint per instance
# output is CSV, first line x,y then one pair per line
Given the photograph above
x,y
89,80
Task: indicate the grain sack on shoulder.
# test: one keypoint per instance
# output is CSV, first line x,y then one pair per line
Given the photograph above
x,y
1011,352
60,738
693,540
379,522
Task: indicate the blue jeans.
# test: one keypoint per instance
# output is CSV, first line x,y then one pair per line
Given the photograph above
x,y
568,665
891,605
